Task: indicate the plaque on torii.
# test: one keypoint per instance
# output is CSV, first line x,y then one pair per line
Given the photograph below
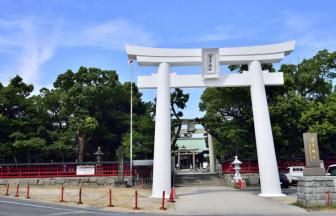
x,y
210,60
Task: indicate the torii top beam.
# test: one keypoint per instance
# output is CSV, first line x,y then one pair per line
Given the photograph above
x,y
148,56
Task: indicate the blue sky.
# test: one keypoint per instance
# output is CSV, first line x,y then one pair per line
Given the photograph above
x,y
40,39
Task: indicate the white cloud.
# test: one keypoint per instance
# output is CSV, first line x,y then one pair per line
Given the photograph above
x,y
112,34
306,29
28,44
32,43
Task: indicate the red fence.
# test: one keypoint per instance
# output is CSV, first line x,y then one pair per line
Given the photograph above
x,y
47,170
251,166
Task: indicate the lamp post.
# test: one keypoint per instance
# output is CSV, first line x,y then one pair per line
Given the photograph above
x,y
130,180
99,155
236,166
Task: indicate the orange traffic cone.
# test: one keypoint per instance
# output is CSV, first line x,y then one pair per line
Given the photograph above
x,y
171,196
174,192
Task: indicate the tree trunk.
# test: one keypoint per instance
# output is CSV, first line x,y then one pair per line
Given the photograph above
x,y
81,146
175,133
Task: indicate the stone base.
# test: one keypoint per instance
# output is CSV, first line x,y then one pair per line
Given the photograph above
x,y
313,171
251,179
313,191
272,195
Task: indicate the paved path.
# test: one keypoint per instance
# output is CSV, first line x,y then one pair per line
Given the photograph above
x,y
191,201
225,200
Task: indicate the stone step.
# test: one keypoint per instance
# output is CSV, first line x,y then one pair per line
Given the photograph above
x,y
198,179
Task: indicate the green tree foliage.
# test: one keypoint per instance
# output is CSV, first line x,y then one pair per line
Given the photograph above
x,y
84,110
229,119
321,119
144,127
143,135
17,120
305,103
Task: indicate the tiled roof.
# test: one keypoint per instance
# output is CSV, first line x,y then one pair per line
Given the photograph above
x,y
192,143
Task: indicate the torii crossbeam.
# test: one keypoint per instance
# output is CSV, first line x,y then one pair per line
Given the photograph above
x,y
210,60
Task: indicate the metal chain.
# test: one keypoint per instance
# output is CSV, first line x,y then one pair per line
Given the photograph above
x,y
99,199
149,198
122,203
70,194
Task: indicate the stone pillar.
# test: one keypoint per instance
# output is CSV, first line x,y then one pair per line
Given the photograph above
x,y
268,168
211,154
162,140
179,159
193,160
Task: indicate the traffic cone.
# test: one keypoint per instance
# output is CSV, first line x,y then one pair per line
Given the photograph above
x,y
174,192
171,196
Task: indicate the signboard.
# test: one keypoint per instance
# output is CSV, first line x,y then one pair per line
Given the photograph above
x,y
210,63
311,150
85,170
313,167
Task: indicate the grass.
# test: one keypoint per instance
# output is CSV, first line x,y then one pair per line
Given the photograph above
x,y
314,208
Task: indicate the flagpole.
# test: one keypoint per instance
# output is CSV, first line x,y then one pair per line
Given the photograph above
x,y
131,122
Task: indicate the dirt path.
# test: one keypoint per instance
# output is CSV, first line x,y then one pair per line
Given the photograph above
x,y
123,199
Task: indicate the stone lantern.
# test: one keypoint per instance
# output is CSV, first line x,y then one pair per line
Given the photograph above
x,y
236,166
99,154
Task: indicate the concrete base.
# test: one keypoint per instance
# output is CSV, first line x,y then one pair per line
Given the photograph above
x,y
313,171
75,181
251,179
313,191
271,195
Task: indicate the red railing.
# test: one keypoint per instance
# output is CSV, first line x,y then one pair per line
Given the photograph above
x,y
251,166
68,170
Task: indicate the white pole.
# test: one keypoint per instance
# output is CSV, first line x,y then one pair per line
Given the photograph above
x,y
211,154
131,126
268,168
162,140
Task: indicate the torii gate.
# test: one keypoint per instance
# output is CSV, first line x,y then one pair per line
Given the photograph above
x,y
210,60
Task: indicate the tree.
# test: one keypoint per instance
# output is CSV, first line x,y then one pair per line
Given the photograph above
x,y
28,146
178,101
94,104
229,118
320,118
20,128
82,126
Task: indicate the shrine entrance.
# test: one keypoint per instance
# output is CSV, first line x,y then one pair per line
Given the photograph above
x,y
210,61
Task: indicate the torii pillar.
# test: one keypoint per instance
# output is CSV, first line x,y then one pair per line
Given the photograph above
x,y
211,59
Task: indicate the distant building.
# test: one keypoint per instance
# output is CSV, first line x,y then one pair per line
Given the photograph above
x,y
192,153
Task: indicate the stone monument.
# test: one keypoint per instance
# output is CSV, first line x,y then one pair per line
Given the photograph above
x,y
314,187
312,155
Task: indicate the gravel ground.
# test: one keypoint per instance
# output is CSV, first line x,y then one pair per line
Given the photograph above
x,y
123,199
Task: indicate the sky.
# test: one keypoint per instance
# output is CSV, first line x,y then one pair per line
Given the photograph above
x,y
41,39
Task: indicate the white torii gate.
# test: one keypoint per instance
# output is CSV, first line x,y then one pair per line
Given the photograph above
x,y
210,60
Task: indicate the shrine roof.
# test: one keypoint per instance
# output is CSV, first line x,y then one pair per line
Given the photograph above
x,y
192,143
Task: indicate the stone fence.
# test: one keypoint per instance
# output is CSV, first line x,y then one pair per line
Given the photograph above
x,y
313,191
74,181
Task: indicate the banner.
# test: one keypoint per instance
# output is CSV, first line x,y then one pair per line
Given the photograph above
x,y
85,170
